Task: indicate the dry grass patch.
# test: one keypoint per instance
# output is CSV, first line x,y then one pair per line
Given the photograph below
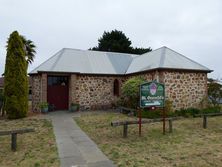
x,y
189,144
36,149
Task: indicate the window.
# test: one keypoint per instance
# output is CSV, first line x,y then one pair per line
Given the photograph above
x,y
57,80
116,88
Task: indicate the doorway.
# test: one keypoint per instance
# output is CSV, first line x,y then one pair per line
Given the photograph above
x,y
58,92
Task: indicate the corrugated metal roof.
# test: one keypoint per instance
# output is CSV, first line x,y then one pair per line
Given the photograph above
x,y
96,62
86,61
163,58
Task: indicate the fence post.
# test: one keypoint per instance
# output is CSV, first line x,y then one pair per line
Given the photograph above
x,y
170,126
125,127
13,144
204,121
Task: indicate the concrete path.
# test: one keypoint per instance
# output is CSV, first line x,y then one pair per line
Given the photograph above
x,y
75,148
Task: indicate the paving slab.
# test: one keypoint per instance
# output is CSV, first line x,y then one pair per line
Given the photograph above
x,y
75,148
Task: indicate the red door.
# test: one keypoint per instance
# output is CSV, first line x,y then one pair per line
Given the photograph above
x,y
58,92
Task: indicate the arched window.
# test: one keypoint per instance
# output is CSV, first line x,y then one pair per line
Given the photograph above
x,y
116,87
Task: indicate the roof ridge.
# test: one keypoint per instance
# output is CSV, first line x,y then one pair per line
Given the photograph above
x,y
73,49
58,58
133,58
129,64
149,52
46,61
188,58
102,51
114,52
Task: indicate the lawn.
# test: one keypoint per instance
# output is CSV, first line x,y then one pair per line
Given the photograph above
x,y
189,144
36,149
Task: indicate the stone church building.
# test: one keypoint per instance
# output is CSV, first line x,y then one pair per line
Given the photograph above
x,y
93,79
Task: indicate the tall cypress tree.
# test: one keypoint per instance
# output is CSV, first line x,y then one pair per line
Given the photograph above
x,y
16,81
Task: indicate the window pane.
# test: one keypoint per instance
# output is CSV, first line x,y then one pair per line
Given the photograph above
x,y
57,80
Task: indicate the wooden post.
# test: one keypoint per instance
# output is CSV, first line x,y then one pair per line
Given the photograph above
x,y
164,121
170,126
140,121
204,121
14,140
125,127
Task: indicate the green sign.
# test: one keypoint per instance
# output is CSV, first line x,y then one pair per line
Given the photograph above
x,y
152,94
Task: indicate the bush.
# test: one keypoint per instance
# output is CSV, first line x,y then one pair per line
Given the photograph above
x,y
43,105
74,107
214,92
214,109
193,111
187,112
130,92
16,80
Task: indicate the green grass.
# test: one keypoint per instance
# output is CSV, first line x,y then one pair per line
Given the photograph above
x,y
189,144
35,149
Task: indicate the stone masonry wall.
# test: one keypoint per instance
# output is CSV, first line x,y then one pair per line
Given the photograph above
x,y
184,89
72,89
44,88
39,90
36,92
95,92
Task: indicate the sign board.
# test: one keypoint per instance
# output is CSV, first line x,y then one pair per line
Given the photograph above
x,y
152,94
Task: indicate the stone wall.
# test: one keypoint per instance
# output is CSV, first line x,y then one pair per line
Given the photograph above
x,y
44,88
184,89
39,90
72,89
95,92
36,91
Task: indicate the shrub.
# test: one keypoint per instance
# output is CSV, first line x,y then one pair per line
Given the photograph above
x,y
187,112
130,92
214,109
215,93
74,107
193,111
43,105
16,80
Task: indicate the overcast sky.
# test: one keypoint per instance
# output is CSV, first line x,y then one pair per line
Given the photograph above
x,y
190,27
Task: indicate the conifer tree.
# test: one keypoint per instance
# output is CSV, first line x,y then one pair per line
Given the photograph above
x,y
117,41
16,80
